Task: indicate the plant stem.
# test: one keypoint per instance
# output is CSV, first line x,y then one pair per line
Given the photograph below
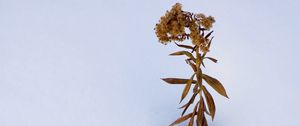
x,y
199,71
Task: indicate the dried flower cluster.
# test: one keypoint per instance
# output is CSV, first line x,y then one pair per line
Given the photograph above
x,y
172,27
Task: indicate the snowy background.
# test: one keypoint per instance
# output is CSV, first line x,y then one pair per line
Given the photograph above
x,y
98,63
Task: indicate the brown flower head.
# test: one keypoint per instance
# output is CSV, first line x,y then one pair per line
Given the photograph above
x,y
171,27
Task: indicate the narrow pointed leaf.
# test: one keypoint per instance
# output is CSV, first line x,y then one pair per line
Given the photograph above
x,y
190,55
191,123
210,102
205,109
206,36
187,88
204,121
194,48
201,105
198,122
212,59
176,80
215,84
209,43
191,101
184,46
193,66
203,64
181,119
200,111
186,106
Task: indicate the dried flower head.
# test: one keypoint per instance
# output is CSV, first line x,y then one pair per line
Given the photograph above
x,y
206,22
171,27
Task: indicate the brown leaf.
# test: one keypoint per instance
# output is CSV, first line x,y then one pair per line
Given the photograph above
x,y
190,55
176,80
205,109
187,88
204,122
203,64
212,59
191,123
201,106
209,43
206,36
186,106
210,102
181,119
184,46
200,111
193,66
198,122
215,84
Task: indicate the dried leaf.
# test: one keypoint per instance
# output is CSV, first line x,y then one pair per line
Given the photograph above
x,y
176,80
205,109
210,102
201,107
203,64
204,122
186,106
184,46
200,111
212,59
209,43
206,36
181,119
190,55
198,122
215,84
191,123
193,66
187,88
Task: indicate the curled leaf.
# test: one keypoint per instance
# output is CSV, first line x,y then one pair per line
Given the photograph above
x,y
215,84
210,102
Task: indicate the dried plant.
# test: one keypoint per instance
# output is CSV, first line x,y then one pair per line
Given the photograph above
x,y
177,25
